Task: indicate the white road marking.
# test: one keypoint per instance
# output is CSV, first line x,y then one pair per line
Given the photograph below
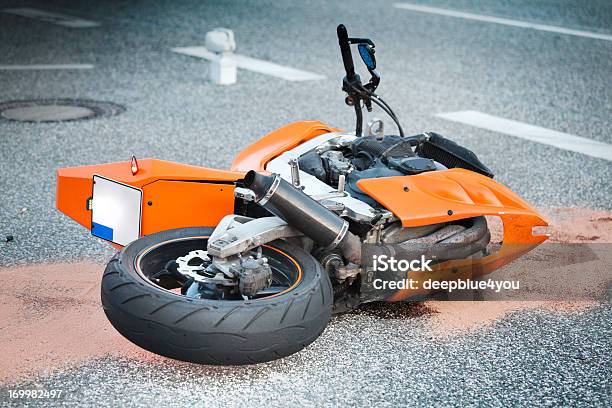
x,y
503,21
44,66
54,18
537,134
256,65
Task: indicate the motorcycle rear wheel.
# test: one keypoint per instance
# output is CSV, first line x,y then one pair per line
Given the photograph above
x,y
209,331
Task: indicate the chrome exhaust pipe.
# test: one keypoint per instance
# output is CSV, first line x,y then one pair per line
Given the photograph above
x,y
304,213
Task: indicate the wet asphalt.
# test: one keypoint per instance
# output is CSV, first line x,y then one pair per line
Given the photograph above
x,y
429,64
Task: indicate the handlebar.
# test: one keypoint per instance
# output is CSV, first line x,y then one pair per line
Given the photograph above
x,y
345,49
358,93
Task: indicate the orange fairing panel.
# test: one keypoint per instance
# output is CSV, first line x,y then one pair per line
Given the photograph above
x,y
178,204
257,155
453,194
180,195
447,195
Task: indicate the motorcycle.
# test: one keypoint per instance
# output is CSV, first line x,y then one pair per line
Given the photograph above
x,y
253,264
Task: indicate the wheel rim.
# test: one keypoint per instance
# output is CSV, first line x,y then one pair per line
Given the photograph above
x,y
286,272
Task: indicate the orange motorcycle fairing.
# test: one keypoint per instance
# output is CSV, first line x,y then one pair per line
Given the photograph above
x,y
258,154
447,195
174,195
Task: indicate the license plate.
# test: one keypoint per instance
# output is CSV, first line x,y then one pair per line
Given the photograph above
x,y
116,211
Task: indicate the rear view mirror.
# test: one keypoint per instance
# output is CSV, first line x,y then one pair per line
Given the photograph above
x,y
367,55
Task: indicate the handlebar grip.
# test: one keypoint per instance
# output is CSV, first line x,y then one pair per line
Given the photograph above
x,y
345,49
342,33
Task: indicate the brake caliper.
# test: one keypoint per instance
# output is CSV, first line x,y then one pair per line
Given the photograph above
x,y
254,274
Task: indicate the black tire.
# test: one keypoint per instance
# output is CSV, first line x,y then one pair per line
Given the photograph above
x,y
220,332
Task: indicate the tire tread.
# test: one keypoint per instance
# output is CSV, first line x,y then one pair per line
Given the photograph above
x,y
214,332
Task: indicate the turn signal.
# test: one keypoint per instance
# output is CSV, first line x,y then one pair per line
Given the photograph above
x,y
134,166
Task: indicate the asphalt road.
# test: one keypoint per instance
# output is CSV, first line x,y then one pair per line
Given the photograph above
x,y
429,64
365,360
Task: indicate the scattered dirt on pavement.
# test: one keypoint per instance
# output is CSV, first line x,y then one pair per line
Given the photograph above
x,y
579,225
574,276
51,318
459,317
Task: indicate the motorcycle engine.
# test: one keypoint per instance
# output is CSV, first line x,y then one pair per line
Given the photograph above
x,y
387,156
366,157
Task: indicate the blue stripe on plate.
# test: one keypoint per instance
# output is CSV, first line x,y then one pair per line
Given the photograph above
x,y
102,231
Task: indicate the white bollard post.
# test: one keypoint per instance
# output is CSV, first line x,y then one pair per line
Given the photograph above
x,y
223,70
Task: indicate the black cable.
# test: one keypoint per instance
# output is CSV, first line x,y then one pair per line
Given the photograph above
x,y
394,116
391,114
363,93
359,121
382,104
387,108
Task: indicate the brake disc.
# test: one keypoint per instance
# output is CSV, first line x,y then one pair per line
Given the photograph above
x,y
197,265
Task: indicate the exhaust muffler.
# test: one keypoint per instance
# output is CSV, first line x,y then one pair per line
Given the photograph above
x,y
304,213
